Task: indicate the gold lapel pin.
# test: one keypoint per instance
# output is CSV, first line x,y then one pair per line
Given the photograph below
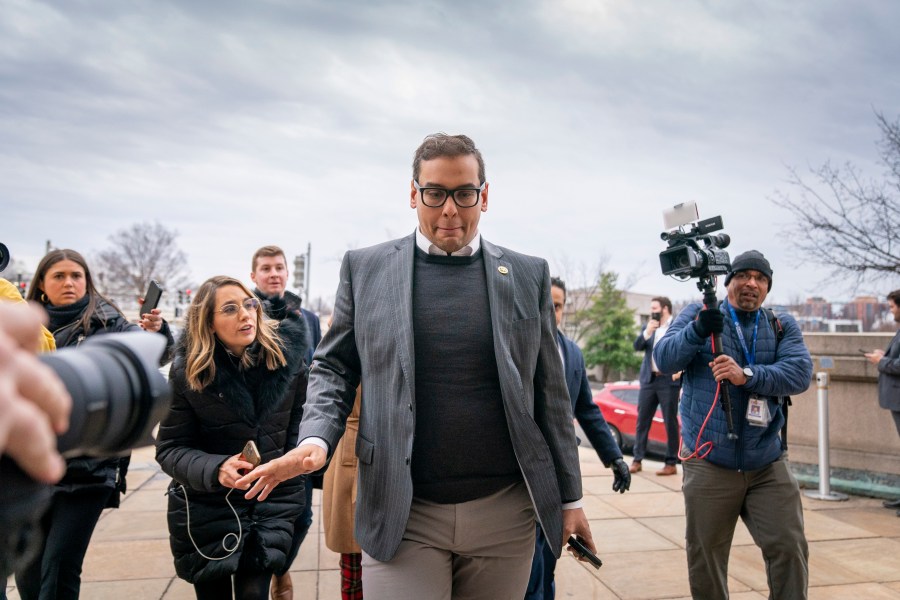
x,y
503,270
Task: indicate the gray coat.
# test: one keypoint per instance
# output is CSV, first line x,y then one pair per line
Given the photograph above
x,y
371,338
889,376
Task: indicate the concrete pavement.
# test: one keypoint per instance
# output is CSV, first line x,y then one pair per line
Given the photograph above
x,y
854,546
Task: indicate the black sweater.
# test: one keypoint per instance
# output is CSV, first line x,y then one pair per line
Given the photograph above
x,y
462,448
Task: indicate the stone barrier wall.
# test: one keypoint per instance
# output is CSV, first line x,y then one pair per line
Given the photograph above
x,y
862,435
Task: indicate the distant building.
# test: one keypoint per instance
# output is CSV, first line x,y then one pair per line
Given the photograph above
x,y
821,325
816,307
866,309
640,304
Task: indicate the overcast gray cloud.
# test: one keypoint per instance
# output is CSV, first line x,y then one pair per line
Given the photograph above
x,y
242,124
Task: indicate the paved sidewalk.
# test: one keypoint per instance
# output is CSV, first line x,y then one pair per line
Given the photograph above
x,y
854,546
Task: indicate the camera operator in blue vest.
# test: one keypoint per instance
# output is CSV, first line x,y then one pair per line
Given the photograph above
x,y
741,473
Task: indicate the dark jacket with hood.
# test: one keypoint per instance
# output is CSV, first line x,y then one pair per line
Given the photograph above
x,y
202,430
68,331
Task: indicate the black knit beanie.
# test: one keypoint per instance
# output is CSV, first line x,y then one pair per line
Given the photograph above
x,y
751,259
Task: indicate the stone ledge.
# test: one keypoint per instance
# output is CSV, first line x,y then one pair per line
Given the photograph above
x,y
850,481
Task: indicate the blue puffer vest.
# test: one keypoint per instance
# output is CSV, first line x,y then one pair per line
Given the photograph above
x,y
775,374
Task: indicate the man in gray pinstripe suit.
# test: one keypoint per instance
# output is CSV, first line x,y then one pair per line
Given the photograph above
x,y
466,434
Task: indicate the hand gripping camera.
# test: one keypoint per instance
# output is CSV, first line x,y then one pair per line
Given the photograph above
x,y
118,397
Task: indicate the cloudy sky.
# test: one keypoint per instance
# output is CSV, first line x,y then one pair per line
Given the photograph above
x,y
294,122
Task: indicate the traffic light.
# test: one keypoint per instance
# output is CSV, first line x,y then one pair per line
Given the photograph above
x,y
187,294
22,286
300,271
180,297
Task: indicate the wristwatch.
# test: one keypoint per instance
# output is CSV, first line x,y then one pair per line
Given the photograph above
x,y
748,373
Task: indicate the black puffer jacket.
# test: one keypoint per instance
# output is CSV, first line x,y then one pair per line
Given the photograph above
x,y
83,471
202,430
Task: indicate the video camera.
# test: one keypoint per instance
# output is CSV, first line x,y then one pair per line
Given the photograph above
x,y
118,397
685,257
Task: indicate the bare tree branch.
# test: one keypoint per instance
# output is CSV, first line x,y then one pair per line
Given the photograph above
x,y
138,254
844,222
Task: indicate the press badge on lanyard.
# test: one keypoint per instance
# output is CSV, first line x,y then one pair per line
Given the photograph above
x,y
758,411
757,407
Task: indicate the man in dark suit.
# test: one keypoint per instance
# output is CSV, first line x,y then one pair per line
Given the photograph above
x,y
270,274
888,363
465,432
657,390
541,586
314,327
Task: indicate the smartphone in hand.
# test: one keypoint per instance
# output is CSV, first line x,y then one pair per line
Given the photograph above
x,y
250,453
584,551
151,298
864,351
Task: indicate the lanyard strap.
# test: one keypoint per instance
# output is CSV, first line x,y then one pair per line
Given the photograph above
x,y
750,354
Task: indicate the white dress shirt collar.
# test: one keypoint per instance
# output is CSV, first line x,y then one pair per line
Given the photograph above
x,y
468,250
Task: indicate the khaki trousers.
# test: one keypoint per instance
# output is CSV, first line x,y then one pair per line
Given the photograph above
x,y
768,501
478,550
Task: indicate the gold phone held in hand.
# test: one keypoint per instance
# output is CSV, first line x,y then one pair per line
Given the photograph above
x,y
250,453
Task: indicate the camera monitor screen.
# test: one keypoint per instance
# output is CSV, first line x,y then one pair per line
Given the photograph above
x,y
680,214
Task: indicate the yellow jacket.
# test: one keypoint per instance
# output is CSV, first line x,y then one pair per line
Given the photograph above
x,y
9,293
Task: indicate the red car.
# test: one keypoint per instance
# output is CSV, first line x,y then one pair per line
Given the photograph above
x,y
618,402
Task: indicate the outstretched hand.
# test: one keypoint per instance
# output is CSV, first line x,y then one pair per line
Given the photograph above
x,y
299,461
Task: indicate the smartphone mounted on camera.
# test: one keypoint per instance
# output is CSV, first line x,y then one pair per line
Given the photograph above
x,y
151,298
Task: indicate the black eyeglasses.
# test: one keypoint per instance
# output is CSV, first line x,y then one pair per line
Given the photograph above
x,y
434,197
231,309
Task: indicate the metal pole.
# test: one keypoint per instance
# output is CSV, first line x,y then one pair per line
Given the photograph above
x,y
308,266
824,492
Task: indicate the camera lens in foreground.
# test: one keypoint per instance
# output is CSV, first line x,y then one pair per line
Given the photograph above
x,y
118,393
118,397
4,256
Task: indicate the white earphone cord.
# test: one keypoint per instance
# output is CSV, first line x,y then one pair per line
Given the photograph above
x,y
237,538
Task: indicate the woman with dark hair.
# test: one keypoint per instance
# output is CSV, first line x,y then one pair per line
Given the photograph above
x,y
234,380
63,285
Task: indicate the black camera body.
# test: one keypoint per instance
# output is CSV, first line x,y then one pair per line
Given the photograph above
x,y
686,258
4,257
118,397
696,252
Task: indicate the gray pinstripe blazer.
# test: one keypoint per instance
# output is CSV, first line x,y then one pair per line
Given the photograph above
x,y
371,338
